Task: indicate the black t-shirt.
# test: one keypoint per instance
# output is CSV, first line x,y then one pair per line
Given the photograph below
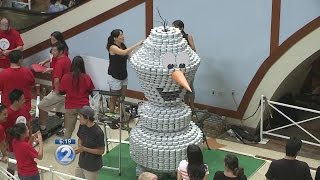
x,y
91,137
285,169
219,175
118,66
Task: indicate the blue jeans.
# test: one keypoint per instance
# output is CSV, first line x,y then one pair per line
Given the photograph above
x,y
34,177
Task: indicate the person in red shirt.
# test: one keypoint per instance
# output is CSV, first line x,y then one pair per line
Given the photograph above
x,y
77,86
54,38
16,110
16,77
54,99
10,40
3,144
25,153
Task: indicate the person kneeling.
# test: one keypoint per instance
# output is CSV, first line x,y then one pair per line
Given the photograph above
x,y
91,145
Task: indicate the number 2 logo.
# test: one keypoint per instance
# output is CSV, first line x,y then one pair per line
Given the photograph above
x,y
65,154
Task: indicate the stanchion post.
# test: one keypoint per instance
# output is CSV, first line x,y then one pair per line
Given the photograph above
x,y
120,129
261,116
51,171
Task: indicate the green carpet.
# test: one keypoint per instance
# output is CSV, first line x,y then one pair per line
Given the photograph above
x,y
214,159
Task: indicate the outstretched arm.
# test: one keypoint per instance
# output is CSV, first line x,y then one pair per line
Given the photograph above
x,y
116,50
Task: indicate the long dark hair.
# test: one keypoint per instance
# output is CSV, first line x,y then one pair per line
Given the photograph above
x,y
231,162
59,37
77,68
196,168
115,33
179,24
17,131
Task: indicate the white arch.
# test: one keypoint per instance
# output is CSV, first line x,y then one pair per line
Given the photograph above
x,y
299,52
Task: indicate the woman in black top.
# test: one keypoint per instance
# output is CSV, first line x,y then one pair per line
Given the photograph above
x,y
232,171
118,55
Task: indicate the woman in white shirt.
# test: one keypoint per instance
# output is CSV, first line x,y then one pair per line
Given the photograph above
x,y
193,168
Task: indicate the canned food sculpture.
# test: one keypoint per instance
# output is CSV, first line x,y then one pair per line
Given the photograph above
x,y
164,65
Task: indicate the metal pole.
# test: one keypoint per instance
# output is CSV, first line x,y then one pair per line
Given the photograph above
x,y
295,107
300,122
286,137
120,129
295,123
106,137
261,116
42,173
51,171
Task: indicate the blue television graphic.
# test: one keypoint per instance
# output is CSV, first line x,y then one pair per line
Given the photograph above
x,y
65,154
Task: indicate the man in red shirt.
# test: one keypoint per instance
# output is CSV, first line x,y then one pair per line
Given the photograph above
x,y
54,99
16,77
10,40
16,110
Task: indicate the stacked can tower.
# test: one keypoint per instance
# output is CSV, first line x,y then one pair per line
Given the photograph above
x,y
164,131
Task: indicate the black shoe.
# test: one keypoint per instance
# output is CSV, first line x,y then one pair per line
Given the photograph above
x,y
60,133
44,131
59,114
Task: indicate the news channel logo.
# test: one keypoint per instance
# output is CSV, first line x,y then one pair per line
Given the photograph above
x,y
65,154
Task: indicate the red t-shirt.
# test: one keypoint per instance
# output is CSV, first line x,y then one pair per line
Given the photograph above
x,y
54,59
2,134
25,155
13,115
76,97
15,40
16,78
11,121
61,67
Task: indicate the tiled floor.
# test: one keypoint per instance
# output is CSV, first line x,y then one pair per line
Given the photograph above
x,y
50,147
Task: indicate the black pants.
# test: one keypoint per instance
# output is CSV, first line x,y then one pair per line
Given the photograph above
x,y
34,177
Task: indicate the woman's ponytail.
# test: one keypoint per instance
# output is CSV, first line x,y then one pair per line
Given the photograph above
x,y
239,172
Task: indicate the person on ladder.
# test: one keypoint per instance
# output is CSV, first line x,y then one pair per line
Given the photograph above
x,y
117,71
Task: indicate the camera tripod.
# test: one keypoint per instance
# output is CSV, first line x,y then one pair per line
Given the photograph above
x,y
199,122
